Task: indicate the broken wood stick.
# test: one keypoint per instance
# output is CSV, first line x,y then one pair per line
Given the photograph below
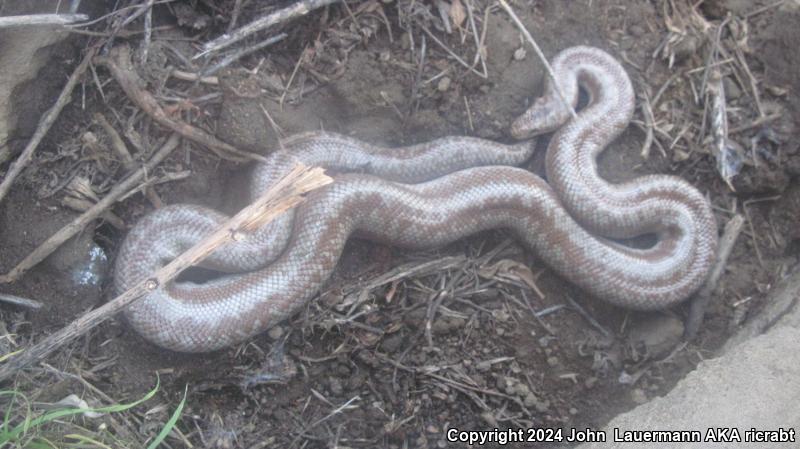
x,y
77,225
283,195
41,19
699,304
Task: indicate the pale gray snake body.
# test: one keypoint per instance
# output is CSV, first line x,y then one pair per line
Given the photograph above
x,y
428,195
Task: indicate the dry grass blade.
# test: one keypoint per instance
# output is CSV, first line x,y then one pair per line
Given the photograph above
x,y
283,195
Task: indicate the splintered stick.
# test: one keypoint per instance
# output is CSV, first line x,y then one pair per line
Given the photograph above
x,y
285,194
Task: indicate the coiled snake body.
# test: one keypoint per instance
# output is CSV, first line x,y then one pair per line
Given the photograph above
x,y
428,195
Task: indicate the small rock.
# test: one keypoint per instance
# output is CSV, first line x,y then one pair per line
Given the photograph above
x,y
732,90
521,390
636,30
275,333
530,400
489,418
444,84
657,333
552,361
519,54
336,386
392,343
590,382
639,396
484,365
405,41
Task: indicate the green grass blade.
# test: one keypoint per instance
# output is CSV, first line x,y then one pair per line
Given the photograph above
x,y
171,422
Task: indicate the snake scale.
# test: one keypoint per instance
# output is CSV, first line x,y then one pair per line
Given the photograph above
x,y
430,194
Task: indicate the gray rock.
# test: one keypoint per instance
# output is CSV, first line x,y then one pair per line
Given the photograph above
x,y
656,335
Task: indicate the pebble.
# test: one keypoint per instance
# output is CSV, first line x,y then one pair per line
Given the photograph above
x,y
519,54
657,333
639,396
732,90
444,84
275,333
540,405
336,386
489,418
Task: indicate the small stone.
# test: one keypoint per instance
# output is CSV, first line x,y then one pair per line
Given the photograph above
x,y
405,41
658,334
521,390
573,411
639,396
392,343
336,386
519,54
636,30
552,361
590,382
732,90
484,366
275,333
489,418
542,406
444,84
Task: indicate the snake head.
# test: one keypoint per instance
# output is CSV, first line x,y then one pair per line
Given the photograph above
x,y
545,115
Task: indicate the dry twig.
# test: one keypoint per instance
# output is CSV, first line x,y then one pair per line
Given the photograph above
x,y
20,301
41,19
283,195
700,303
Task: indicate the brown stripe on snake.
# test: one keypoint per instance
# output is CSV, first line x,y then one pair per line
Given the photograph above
x,y
428,195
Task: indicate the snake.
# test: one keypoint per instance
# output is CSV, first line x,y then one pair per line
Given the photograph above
x,y
428,195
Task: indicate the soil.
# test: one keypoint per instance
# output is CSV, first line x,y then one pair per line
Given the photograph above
x,y
380,378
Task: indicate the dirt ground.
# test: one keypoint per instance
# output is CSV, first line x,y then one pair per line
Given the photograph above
x,y
372,362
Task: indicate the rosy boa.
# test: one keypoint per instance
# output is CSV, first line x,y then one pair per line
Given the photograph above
x,y
425,196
